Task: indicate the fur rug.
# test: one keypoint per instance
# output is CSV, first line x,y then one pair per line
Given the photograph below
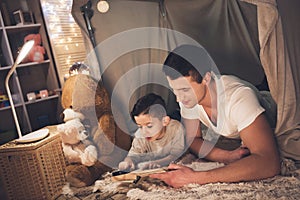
x,y
279,188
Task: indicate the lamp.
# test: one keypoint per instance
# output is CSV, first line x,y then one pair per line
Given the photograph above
x,y
23,53
103,6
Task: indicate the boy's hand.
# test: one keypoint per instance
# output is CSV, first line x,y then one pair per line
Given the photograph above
x,y
126,165
148,165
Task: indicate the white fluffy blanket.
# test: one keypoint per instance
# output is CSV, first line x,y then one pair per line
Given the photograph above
x,y
279,188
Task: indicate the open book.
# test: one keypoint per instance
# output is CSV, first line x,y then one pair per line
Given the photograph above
x,y
136,174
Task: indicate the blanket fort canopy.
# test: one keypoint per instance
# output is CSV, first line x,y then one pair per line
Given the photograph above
x,y
248,38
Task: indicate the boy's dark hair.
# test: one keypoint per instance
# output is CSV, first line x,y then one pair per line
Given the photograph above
x,y
152,104
188,60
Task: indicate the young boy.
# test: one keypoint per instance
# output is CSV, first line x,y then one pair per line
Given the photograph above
x,y
158,141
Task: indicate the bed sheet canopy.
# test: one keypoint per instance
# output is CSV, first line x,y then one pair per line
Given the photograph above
x,y
257,40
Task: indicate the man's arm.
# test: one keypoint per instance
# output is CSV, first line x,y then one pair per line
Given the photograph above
x,y
263,161
205,149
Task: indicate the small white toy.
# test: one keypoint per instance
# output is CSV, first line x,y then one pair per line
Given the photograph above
x,y
76,145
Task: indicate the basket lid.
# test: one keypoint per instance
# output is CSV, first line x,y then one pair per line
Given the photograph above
x,y
17,146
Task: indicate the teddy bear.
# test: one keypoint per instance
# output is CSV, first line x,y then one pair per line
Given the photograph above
x,y
37,52
84,94
76,145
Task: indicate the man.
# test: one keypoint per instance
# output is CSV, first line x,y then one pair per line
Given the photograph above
x,y
228,106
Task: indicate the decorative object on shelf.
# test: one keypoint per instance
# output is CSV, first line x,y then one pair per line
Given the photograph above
x,y
31,96
3,100
23,53
22,17
16,98
37,52
44,94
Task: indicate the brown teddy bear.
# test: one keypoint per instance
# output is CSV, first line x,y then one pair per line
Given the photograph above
x,y
84,94
37,52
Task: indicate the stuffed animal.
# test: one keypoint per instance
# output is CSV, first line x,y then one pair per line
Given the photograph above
x,y
76,145
87,96
37,52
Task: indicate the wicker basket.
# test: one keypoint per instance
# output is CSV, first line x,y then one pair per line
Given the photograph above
x,y
35,170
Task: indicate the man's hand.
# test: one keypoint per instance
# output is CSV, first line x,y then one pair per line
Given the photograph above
x,y
177,177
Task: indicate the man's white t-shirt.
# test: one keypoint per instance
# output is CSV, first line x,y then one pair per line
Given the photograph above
x,y
237,107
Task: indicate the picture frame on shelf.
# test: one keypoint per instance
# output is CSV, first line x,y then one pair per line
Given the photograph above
x,y
22,18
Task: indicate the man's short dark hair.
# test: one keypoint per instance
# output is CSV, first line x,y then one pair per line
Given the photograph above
x,y
188,60
152,104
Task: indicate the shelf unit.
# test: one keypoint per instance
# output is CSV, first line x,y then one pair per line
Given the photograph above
x,y
28,77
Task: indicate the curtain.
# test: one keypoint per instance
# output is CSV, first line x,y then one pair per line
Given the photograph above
x,y
244,38
282,74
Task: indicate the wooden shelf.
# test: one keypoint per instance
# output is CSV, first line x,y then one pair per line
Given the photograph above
x,y
5,68
9,107
30,64
42,99
18,28
31,102
30,76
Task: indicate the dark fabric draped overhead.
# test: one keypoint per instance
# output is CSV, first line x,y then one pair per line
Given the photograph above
x,y
244,38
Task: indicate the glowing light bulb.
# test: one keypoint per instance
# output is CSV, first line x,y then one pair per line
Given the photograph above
x,y
103,6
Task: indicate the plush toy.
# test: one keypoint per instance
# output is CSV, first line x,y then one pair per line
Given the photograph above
x,y
87,96
76,145
37,52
